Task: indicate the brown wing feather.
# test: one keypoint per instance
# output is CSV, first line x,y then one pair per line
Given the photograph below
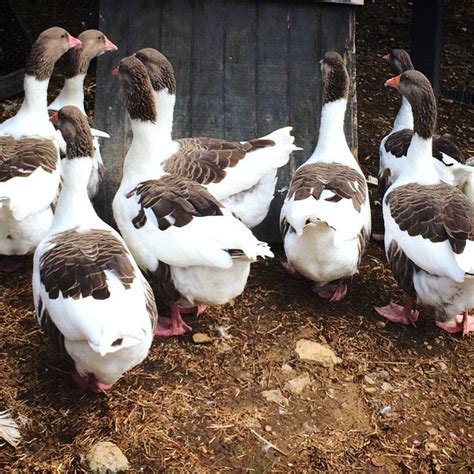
x,y
174,201
343,181
437,212
20,157
75,266
205,160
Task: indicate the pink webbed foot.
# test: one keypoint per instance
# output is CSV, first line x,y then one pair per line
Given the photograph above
x,y
334,292
461,323
378,237
174,326
398,314
89,382
10,264
292,271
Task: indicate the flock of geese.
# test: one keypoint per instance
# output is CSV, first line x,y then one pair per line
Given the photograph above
x,y
185,208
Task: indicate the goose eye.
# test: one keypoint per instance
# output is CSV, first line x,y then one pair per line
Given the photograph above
x,y
63,36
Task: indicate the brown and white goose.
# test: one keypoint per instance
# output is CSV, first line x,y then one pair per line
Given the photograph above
x,y
242,175
195,250
394,146
90,296
429,226
325,219
29,154
94,43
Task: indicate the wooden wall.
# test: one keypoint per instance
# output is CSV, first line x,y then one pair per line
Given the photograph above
x,y
243,69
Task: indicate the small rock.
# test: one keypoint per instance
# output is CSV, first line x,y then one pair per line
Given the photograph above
x,y
431,447
223,347
384,411
386,387
275,396
268,428
442,366
315,352
106,458
298,384
286,368
378,461
201,338
370,390
254,423
432,431
369,380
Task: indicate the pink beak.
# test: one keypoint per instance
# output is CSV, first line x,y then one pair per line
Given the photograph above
x,y
393,82
73,42
115,71
386,57
54,118
109,46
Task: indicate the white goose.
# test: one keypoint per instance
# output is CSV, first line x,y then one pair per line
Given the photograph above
x,y
194,248
394,146
29,155
429,226
90,296
242,175
94,43
325,219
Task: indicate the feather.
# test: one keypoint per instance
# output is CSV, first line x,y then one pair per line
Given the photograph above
x,y
9,429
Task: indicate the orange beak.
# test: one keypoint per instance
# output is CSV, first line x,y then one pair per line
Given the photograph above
x,y
386,57
109,46
73,42
393,82
54,118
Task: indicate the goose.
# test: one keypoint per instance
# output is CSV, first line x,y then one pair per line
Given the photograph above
x,y
90,297
94,43
325,218
429,226
29,155
242,175
194,250
450,161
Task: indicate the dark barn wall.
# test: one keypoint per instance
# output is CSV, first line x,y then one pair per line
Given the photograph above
x,y
243,69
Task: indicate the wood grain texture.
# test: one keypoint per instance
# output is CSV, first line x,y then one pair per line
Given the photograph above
x,y
243,69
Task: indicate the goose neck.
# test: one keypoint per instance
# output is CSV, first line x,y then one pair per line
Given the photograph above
x,y
73,204
404,118
36,96
164,105
72,93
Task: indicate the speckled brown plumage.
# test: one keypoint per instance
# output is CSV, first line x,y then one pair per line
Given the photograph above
x,y
343,181
140,101
443,144
75,266
335,77
437,212
205,160
402,267
75,129
21,157
159,69
46,50
385,179
174,201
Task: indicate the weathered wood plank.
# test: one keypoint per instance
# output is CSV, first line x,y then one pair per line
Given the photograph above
x,y
177,46
208,102
240,70
273,25
305,81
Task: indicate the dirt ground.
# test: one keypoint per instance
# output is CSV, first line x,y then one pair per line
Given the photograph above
x,y
400,400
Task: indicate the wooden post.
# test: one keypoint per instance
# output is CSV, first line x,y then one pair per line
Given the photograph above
x,y
427,39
